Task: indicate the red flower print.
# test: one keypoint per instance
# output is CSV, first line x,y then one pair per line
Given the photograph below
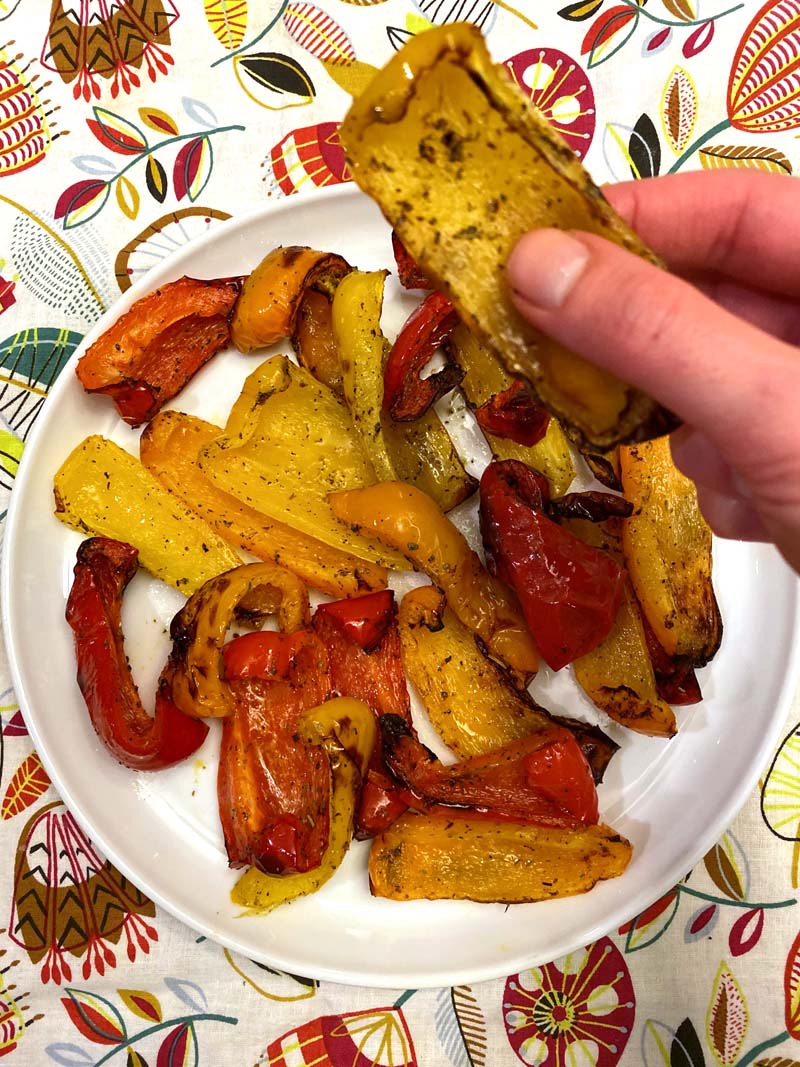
x,y
559,87
578,1010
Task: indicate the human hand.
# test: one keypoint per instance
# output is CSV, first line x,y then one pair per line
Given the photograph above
x,y
716,341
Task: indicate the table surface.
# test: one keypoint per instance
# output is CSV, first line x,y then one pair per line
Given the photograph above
x,y
236,104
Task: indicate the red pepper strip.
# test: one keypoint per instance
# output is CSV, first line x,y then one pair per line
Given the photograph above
x,y
382,801
263,654
542,779
94,609
515,415
411,275
407,396
152,351
365,619
676,682
273,786
569,592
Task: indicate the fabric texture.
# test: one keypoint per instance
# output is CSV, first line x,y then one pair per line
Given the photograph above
x,y
129,127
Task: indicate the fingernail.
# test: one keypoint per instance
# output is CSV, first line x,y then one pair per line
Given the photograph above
x,y
545,265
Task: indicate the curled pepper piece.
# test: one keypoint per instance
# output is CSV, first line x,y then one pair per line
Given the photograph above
x,y
569,591
541,779
94,607
199,629
411,275
675,678
604,469
273,783
406,395
514,415
152,351
268,309
346,730
595,507
404,518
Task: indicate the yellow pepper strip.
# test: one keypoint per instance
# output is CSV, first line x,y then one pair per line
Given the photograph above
x,y
462,166
667,547
484,377
407,520
169,448
199,630
618,674
434,857
288,443
102,489
346,729
418,452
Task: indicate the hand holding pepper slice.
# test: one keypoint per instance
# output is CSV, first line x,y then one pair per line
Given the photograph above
x,y
103,570
569,591
152,351
407,396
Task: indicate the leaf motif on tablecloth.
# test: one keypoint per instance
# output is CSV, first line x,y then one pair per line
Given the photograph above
x,y
116,133
780,793
791,990
179,1047
140,1002
746,932
69,900
189,993
580,10
610,31
192,168
95,39
81,201
777,1061
160,239
375,1037
227,20
651,924
156,180
728,1018
270,983
30,361
311,153
644,149
712,157
679,109
11,449
698,40
727,866
127,197
657,41
94,1017
273,80
352,77
686,1050
461,1027
27,784
66,1054
135,1059
28,126
318,33
683,10
664,1047
763,88
15,727
701,922
159,120
15,1018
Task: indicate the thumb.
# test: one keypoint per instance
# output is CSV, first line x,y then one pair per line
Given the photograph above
x,y
663,336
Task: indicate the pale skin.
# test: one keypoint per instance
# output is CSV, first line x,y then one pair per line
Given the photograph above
x,y
717,340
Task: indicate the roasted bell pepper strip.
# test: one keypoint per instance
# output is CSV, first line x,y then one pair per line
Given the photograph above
x,y
468,697
314,342
267,310
569,591
675,678
406,395
94,608
541,779
259,655
345,729
402,517
515,415
437,857
596,507
273,783
152,351
364,619
604,470
408,270
199,630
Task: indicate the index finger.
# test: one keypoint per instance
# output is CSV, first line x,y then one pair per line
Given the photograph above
x,y
743,224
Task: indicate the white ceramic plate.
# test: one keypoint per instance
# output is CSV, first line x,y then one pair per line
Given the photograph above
x,y
673,800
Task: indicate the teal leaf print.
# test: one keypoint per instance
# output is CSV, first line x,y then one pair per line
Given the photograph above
x,y
30,361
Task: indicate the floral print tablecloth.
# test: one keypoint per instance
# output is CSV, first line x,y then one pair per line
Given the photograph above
x,y
128,127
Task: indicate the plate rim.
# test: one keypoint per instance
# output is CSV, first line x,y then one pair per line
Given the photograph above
x,y
387,980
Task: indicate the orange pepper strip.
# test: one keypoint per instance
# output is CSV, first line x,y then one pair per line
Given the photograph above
x,y
406,519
